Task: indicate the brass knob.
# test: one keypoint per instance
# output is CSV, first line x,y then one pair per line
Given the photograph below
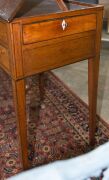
x,y
64,25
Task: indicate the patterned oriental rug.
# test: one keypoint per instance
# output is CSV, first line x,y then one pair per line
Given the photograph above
x,y
58,131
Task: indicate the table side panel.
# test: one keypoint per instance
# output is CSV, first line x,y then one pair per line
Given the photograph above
x,y
3,33
53,29
58,54
4,58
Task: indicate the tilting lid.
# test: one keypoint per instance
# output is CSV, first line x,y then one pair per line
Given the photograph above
x,y
9,8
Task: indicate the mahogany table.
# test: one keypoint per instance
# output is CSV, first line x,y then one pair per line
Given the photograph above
x,y
40,35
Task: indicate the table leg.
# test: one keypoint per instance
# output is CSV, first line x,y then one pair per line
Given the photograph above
x,y
108,25
93,70
41,87
20,107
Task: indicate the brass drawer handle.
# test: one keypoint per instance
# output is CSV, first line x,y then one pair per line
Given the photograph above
x,y
64,25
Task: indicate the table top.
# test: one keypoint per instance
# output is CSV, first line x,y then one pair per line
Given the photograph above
x,y
10,9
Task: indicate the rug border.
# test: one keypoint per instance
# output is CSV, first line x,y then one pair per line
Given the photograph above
x,y
73,93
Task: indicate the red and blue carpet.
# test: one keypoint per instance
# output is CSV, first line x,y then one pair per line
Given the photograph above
x,y
59,131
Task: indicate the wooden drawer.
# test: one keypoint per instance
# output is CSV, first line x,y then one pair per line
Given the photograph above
x,y
47,57
4,58
52,29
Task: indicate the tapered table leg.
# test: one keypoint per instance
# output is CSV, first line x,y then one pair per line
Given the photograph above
x,y
20,107
108,25
93,70
41,87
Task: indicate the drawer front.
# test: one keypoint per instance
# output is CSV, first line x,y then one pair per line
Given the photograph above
x,y
41,59
52,29
4,58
